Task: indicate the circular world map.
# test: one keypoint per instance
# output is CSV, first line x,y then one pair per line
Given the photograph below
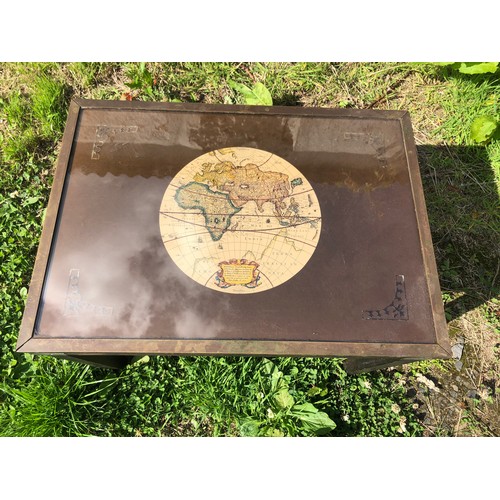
x,y
240,220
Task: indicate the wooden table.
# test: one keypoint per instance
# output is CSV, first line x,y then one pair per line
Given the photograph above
x,y
191,229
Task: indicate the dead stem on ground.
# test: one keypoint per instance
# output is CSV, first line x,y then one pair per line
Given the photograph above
x,y
466,401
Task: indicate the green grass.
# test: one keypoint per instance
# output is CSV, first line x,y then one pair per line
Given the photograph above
x,y
58,401
234,396
204,396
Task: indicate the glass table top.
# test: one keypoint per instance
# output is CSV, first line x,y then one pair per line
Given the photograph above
x,y
235,223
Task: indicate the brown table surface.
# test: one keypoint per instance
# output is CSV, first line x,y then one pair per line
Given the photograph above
x,y
104,282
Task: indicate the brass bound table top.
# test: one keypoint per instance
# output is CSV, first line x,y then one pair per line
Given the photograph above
x,y
213,229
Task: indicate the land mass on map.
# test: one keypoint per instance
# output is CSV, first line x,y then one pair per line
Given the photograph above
x,y
246,183
217,208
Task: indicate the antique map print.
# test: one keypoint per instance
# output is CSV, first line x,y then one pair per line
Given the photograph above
x,y
240,220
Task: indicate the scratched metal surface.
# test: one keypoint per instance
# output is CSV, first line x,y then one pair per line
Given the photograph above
x,y
109,276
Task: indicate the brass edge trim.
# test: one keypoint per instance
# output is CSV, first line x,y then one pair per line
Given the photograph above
x,y
228,347
425,237
239,109
48,229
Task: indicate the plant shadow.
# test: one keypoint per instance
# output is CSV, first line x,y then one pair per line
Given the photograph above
x,y
463,205
287,99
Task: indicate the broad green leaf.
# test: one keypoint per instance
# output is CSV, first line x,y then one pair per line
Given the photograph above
x,y
239,87
483,128
261,96
313,391
304,409
275,378
257,95
274,433
30,201
312,419
283,398
267,365
475,68
142,360
249,428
